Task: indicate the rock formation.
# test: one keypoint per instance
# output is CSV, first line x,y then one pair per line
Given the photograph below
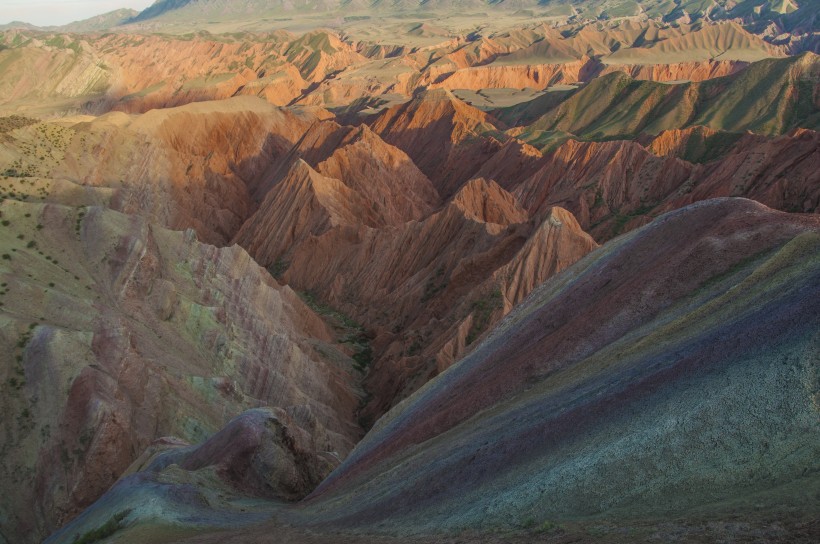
x,y
505,251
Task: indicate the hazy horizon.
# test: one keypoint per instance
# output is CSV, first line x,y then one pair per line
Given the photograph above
x,y
61,12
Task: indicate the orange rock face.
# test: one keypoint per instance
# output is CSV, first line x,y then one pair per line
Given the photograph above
x,y
195,166
515,76
680,71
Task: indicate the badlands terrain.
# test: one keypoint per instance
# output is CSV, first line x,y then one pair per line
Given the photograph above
x,y
411,272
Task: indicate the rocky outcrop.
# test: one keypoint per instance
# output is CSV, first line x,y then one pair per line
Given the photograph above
x,y
515,76
263,452
779,172
278,69
304,204
334,176
603,182
382,174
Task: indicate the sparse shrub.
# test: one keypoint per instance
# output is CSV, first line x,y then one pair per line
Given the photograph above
x,y
415,348
483,308
278,268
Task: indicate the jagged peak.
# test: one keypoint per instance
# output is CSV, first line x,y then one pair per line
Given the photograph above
x,y
342,204
302,172
443,99
434,95
487,202
557,216
364,134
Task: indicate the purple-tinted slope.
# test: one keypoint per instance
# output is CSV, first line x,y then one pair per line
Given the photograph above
x,y
674,367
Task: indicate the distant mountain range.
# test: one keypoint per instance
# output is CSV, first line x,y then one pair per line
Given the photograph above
x,y
772,17
92,24
750,10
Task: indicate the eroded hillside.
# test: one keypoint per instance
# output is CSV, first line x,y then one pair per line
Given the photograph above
x,y
516,258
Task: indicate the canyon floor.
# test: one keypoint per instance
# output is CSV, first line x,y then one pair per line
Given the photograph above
x,y
324,273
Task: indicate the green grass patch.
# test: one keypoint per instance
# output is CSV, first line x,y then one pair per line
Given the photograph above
x,y
105,530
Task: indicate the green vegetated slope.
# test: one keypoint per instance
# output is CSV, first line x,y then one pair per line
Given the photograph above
x,y
769,97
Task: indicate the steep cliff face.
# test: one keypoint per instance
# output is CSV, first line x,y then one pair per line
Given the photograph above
x,y
117,333
595,397
680,71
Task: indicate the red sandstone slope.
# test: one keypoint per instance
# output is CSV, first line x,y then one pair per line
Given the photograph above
x,y
304,204
447,139
446,279
195,166
334,176
383,174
